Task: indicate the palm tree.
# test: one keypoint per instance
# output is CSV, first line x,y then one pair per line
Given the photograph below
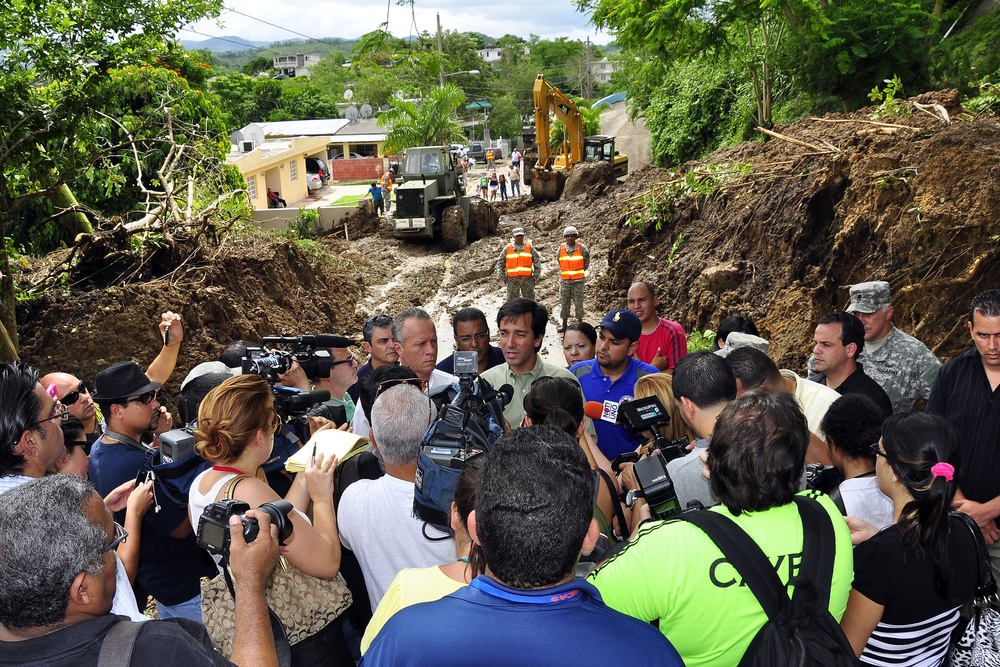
x,y
430,122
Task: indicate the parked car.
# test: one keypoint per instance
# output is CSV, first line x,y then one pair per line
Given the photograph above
x,y
316,166
477,151
340,156
313,181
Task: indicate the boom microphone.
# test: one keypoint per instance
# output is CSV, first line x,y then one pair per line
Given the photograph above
x,y
506,394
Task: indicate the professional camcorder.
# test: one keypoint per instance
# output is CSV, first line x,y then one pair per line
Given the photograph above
x,y
276,353
466,426
213,526
655,485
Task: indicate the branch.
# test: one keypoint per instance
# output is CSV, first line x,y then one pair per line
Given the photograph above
x,y
819,151
866,122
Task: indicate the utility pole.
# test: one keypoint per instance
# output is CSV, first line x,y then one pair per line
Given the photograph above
x,y
588,86
441,53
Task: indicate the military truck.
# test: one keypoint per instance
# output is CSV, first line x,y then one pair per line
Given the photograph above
x,y
431,202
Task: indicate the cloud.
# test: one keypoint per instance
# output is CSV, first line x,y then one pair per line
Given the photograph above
x,y
349,19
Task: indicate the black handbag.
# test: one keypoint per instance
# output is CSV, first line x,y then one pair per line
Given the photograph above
x,y
979,642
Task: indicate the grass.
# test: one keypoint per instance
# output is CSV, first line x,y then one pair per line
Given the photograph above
x,y
351,200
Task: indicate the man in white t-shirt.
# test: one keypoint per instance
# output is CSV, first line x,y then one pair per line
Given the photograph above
x,y
375,517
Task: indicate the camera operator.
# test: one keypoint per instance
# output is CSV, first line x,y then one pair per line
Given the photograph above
x,y
673,572
56,530
703,385
343,374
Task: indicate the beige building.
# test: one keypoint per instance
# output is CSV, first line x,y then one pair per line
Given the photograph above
x,y
278,164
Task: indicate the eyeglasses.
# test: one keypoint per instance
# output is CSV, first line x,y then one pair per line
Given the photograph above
x,y
71,397
876,451
484,335
145,399
61,412
386,385
348,360
70,444
120,536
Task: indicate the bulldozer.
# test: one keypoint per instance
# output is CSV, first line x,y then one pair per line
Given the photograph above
x,y
548,177
431,202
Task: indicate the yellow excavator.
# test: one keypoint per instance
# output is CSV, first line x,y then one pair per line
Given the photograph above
x,y
549,175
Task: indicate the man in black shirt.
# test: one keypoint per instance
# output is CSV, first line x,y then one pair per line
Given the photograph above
x,y
839,339
965,393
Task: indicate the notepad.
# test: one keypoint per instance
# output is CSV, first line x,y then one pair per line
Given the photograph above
x,y
328,442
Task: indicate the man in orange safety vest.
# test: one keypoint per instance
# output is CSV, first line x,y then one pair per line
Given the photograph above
x,y
519,266
574,259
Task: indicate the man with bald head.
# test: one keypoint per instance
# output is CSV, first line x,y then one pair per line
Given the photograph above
x,y
663,342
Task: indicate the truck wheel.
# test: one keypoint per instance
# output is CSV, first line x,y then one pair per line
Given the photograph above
x,y
453,232
479,219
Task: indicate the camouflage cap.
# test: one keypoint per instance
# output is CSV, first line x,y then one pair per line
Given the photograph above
x,y
869,297
739,339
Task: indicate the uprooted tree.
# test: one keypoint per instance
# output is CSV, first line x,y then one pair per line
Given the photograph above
x,y
74,109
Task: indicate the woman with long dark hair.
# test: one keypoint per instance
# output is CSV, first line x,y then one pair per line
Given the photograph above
x,y
912,578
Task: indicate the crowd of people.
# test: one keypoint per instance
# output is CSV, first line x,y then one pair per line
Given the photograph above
x,y
554,551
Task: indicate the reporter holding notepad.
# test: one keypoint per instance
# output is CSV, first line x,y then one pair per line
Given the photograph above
x,y
236,426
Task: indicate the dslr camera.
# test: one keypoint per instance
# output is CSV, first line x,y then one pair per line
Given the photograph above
x,y
213,526
655,485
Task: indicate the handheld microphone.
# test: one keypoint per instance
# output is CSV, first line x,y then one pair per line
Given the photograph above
x,y
606,411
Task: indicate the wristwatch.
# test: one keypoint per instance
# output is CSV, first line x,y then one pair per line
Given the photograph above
x,y
632,496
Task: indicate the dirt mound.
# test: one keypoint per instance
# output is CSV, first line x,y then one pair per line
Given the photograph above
x,y
779,230
247,287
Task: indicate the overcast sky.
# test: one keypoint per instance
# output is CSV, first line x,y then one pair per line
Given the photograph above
x,y
276,20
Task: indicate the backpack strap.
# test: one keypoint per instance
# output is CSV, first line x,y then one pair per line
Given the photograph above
x,y
838,499
819,548
619,514
116,649
754,566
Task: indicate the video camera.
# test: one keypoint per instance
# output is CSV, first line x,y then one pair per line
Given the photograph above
x,y
465,427
655,485
269,361
276,353
213,526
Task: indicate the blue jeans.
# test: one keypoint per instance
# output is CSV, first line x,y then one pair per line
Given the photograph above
x,y
190,609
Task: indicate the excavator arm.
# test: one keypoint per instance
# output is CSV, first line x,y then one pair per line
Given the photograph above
x,y
548,99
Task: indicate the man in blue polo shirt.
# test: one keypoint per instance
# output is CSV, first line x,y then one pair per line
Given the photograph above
x,y
610,378
533,516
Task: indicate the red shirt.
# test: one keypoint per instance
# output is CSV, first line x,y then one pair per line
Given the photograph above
x,y
669,337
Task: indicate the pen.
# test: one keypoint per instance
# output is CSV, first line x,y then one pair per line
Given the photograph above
x,y
314,455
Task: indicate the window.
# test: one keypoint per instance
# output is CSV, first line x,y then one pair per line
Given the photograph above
x,y
293,170
252,187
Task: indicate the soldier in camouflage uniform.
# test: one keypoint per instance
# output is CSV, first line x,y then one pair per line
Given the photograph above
x,y
519,266
574,259
899,362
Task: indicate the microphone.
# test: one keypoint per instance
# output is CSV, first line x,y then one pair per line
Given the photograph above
x,y
506,394
606,411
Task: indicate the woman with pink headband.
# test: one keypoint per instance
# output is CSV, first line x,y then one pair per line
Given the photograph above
x,y
912,578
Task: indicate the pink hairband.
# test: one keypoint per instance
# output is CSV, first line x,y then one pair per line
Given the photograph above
x,y
51,390
942,469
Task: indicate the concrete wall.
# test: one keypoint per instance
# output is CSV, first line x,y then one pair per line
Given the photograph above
x,y
277,219
358,168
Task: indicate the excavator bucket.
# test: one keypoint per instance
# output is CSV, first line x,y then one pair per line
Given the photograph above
x,y
547,185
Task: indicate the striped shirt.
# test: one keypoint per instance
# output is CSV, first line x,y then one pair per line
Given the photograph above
x,y
916,622
962,395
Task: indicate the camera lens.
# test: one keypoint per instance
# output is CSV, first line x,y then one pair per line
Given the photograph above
x,y
278,510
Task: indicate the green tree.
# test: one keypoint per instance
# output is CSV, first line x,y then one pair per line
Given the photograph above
x,y
505,119
244,99
430,122
56,55
258,65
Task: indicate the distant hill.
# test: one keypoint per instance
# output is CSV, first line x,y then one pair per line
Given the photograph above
x,y
221,44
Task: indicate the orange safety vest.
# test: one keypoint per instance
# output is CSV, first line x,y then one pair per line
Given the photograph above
x,y
570,266
519,264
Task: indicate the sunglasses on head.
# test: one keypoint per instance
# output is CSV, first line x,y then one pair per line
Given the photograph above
x,y
73,396
386,385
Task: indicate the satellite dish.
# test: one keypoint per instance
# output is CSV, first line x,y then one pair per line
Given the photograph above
x,y
366,111
254,133
348,94
235,138
352,114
